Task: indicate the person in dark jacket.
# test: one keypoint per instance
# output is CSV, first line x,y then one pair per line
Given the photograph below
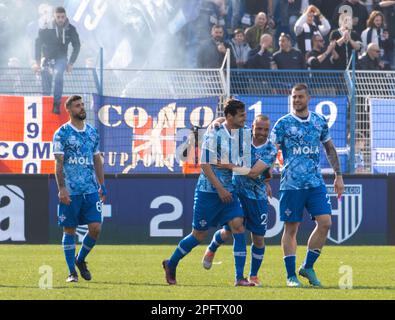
x,y
287,57
212,52
321,58
51,56
371,59
262,56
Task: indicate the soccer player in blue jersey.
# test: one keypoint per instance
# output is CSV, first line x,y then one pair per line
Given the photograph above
x,y
252,190
80,179
215,201
299,135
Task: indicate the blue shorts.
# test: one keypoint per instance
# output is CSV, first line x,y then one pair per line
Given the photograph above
x,y
255,212
292,203
83,209
210,211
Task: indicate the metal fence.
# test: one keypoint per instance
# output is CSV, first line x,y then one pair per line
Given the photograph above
x,y
371,85
360,87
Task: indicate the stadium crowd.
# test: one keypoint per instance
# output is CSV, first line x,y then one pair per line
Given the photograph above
x,y
262,34
299,34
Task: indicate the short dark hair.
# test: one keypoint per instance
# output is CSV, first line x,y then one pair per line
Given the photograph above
x,y
217,26
71,99
60,10
238,31
286,35
300,87
232,106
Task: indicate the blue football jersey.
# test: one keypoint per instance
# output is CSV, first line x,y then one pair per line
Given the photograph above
x,y
256,188
220,145
300,142
78,148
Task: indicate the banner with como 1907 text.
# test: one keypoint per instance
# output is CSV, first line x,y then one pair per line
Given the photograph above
x,y
146,135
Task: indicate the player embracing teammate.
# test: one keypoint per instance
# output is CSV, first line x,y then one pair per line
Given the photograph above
x,y
299,135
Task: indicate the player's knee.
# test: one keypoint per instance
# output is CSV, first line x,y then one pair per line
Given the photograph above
x,y
69,231
325,225
291,230
226,234
237,226
259,242
200,235
94,231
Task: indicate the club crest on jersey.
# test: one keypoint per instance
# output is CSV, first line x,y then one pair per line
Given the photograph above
x,y
203,223
347,216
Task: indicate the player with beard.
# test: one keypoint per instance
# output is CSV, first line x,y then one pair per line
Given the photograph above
x,y
80,179
299,135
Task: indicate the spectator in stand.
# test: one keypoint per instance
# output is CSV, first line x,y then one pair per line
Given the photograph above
x,y
311,23
286,13
262,56
346,40
370,60
359,15
295,8
212,52
327,8
253,7
388,8
375,33
253,34
287,57
239,50
320,58
210,13
51,54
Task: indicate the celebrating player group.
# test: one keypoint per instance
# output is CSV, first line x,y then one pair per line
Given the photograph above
x,y
234,196
231,193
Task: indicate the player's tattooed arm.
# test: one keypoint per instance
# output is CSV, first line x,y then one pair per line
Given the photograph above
x,y
97,160
64,196
332,156
335,163
59,158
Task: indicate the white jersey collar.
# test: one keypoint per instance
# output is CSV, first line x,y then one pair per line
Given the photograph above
x,y
299,119
76,129
260,146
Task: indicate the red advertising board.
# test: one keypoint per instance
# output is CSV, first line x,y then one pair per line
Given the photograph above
x,y
27,126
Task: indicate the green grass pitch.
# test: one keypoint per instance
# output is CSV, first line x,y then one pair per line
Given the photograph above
x,y
135,273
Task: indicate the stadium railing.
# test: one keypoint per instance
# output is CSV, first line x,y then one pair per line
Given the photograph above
x,y
198,83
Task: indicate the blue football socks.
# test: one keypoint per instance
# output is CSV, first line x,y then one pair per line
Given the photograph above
x,y
290,265
216,242
68,243
87,245
256,259
240,253
311,258
184,247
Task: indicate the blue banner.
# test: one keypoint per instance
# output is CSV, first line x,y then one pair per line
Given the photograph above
x,y
382,119
159,210
333,108
146,135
